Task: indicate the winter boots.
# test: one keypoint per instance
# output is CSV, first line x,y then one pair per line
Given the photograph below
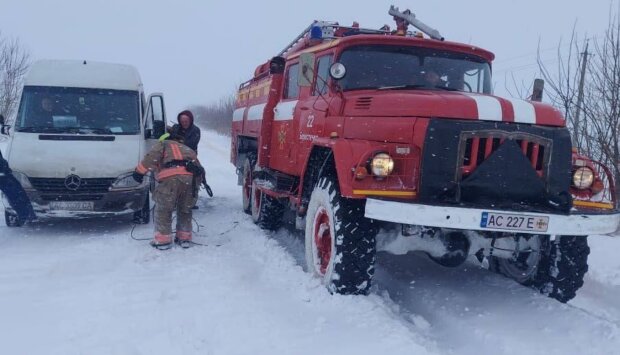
x,y
184,239
162,241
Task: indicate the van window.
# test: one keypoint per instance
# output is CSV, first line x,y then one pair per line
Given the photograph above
x,y
322,75
77,110
291,90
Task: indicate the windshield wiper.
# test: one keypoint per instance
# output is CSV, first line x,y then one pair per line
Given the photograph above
x,y
447,88
33,129
416,86
89,130
401,87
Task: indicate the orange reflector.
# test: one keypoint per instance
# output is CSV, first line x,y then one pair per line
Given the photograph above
x,y
361,173
385,193
588,204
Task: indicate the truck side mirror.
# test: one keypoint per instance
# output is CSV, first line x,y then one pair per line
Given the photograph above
x,y
337,71
276,65
537,91
306,69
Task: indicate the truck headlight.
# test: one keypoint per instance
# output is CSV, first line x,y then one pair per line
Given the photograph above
x,y
126,181
382,165
23,179
583,178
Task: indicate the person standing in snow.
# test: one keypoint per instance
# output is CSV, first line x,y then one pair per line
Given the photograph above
x,y
187,129
15,194
179,174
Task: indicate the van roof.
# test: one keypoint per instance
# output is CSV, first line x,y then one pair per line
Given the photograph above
x,y
83,74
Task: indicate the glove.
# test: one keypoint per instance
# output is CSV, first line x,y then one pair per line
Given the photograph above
x,y
138,177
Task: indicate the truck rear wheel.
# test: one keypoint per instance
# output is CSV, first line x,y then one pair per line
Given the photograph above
x,y
246,187
267,211
340,241
553,267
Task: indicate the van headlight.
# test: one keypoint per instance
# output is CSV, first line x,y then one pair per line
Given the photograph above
x,y
382,165
583,178
23,180
126,181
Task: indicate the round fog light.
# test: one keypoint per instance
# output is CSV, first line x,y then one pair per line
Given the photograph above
x,y
583,178
382,165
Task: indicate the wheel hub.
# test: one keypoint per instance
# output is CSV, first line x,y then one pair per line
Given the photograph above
x,y
322,240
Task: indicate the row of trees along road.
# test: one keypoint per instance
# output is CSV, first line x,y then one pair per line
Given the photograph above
x,y
14,62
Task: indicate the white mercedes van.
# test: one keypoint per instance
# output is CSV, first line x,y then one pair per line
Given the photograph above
x,y
81,129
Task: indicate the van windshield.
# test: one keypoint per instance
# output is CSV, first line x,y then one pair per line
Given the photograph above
x,y
78,110
408,67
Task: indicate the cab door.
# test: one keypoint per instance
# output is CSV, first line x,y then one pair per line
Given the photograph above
x,y
285,123
154,120
313,108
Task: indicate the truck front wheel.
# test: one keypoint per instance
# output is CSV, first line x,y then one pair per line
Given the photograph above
x,y
339,240
553,267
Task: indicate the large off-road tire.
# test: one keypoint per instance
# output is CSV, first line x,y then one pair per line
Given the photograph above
x,y
556,271
12,219
246,183
340,241
267,211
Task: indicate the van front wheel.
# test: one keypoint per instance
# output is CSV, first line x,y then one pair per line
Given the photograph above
x,y
12,220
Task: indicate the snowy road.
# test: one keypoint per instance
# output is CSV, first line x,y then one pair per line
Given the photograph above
x,y
85,287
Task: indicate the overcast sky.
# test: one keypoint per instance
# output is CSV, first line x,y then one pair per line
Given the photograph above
x,y
198,51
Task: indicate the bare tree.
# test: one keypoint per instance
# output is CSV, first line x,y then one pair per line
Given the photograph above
x,y
216,116
597,131
14,62
563,84
522,90
602,100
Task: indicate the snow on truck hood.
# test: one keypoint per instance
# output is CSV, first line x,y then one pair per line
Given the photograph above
x,y
59,158
455,105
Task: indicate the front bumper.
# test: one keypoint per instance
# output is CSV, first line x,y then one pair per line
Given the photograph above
x,y
112,203
470,218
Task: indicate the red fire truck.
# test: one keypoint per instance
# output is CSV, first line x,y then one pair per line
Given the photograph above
x,y
351,130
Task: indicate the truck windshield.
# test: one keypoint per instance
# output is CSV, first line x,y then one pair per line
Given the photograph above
x,y
400,67
78,110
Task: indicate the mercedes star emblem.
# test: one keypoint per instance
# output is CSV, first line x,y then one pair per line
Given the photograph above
x,y
73,182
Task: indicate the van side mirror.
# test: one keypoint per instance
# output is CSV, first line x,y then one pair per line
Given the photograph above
x,y
1,120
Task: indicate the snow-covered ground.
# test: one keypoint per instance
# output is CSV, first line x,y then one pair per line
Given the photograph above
x,y
85,287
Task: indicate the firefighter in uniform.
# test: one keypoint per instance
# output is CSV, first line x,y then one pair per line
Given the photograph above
x,y
179,174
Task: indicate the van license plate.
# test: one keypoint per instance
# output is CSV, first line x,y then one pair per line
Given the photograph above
x,y
514,222
72,205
